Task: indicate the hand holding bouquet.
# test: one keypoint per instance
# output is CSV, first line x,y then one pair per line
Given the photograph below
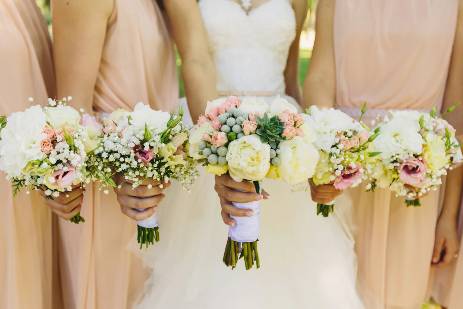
x,y
143,145
252,140
414,151
343,146
43,148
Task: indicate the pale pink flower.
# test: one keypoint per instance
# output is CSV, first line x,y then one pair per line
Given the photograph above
x,y
144,155
46,146
289,132
363,136
413,172
252,117
213,114
207,138
109,127
91,123
349,176
233,101
249,127
298,120
49,132
286,118
65,178
202,120
219,139
216,124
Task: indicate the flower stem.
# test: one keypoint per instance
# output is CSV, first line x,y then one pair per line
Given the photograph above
x,y
325,210
147,236
234,251
77,219
413,203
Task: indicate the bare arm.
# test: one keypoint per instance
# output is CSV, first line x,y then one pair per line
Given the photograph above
x,y
198,69
454,90
79,30
292,67
320,83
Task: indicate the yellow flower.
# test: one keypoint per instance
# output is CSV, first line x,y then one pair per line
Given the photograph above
x,y
167,150
273,172
434,152
218,170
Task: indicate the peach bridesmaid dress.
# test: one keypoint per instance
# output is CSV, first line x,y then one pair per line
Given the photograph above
x,y
99,263
26,259
392,54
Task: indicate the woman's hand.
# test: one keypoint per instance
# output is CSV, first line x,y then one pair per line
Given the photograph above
x,y
141,202
230,191
67,204
323,194
446,244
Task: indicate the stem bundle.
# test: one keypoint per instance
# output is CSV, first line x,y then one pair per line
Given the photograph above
x,y
147,236
234,251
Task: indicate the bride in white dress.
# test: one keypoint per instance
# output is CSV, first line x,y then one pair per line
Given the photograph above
x,y
306,261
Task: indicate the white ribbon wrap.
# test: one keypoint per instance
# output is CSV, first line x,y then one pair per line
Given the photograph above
x,y
149,223
246,229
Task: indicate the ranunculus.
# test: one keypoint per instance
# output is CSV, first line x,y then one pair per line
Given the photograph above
x,y
143,115
62,116
280,105
349,177
412,172
289,132
254,105
219,139
213,106
298,160
143,155
248,159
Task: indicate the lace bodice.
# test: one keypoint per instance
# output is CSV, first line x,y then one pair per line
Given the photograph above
x,y
250,49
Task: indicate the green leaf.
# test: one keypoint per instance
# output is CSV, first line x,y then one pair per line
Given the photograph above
x,y
374,154
452,108
363,110
2,122
69,139
433,112
147,135
421,122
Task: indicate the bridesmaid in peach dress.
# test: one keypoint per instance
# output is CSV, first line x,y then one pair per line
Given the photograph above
x,y
26,258
392,55
113,54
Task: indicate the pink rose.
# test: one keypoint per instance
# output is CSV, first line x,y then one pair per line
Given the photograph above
x,y
249,127
290,132
287,118
65,178
46,146
412,172
144,155
349,176
213,114
252,117
298,120
233,102
91,123
207,138
219,139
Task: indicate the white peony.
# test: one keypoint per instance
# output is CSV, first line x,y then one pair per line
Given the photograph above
x,y
20,140
196,138
61,116
143,115
254,105
280,105
248,159
298,161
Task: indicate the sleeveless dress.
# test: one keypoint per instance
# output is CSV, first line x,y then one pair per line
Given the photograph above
x,y
307,261
26,243
99,267
392,55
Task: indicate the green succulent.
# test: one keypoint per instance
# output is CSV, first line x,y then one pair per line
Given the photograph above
x,y
270,129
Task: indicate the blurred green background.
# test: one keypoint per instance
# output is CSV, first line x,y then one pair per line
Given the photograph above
x,y
306,39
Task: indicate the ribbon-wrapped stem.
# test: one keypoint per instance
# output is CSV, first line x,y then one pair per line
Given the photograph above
x,y
243,237
148,232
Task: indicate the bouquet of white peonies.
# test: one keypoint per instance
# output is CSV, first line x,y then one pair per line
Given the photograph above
x,y
44,148
415,150
343,146
140,145
253,140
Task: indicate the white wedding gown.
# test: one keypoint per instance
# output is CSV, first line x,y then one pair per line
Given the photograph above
x,y
307,261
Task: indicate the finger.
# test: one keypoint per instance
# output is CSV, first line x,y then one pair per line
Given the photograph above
x,y
451,250
68,215
140,203
227,219
438,246
227,181
68,208
139,215
237,212
140,191
265,195
67,197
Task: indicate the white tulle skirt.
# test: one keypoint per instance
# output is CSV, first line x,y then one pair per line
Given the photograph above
x,y
306,261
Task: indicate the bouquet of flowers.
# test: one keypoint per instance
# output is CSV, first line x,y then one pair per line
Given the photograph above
x,y
343,146
253,140
139,145
43,148
414,151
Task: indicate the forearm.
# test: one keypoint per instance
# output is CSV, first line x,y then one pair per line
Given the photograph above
x,y
452,198
200,85
319,93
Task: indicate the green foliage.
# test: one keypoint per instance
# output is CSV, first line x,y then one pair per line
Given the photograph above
x,y
270,129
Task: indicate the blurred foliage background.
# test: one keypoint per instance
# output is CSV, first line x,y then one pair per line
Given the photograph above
x,y
306,38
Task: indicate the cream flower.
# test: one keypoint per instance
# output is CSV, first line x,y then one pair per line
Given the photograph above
x,y
196,138
62,116
143,115
254,105
298,160
248,159
435,152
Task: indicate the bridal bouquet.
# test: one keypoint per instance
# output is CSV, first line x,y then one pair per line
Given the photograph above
x,y
44,148
415,150
343,146
252,140
139,145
